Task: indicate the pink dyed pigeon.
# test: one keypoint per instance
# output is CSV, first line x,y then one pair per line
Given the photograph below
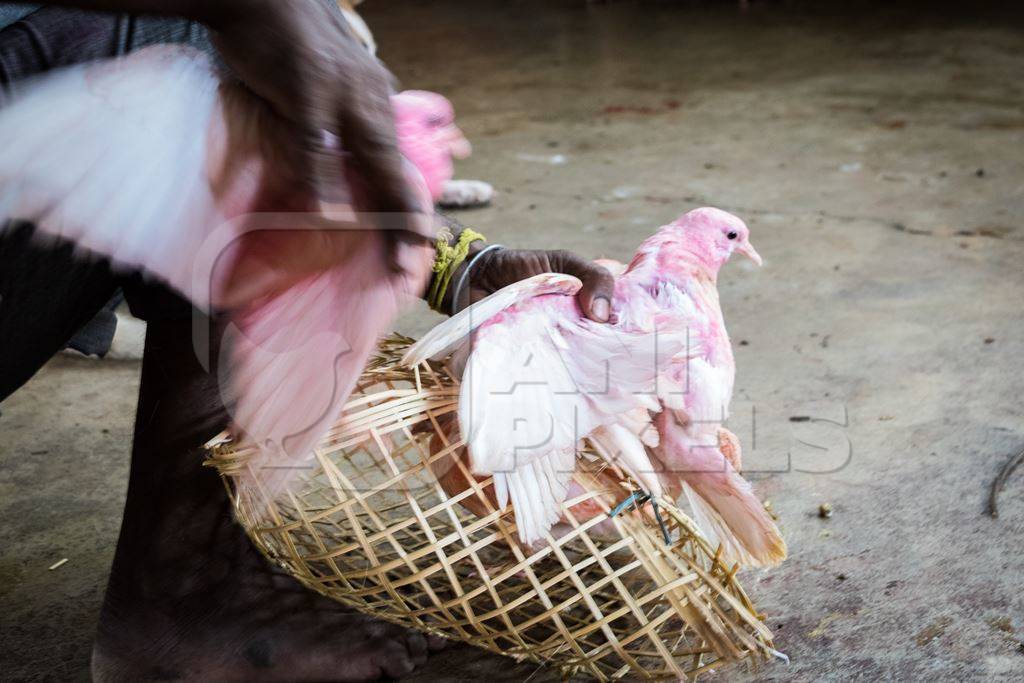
x,y
160,164
657,381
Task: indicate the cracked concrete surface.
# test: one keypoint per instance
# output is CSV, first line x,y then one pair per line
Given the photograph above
x,y
875,154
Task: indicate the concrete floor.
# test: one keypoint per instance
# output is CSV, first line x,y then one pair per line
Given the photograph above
x,y
876,156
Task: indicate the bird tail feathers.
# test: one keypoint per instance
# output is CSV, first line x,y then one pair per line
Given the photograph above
x,y
726,509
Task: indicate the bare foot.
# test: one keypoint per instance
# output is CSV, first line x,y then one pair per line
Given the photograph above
x,y
248,626
466,194
189,597
129,339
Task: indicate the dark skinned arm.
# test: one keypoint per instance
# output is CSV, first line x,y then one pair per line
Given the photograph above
x,y
502,267
302,58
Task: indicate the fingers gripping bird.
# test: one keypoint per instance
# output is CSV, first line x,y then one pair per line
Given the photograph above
x,y
652,387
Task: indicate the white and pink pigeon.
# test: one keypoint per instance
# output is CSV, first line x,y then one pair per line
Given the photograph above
x,y
651,388
157,163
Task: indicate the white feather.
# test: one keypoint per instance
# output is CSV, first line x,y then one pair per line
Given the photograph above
x,y
524,396
633,458
501,489
445,337
537,490
138,127
537,380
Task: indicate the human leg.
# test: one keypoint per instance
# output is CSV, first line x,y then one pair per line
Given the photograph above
x,y
189,596
46,294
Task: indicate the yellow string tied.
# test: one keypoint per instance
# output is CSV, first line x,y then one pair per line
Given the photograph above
x,y
447,260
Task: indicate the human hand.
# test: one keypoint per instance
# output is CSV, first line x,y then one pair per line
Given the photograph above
x,y
302,58
501,267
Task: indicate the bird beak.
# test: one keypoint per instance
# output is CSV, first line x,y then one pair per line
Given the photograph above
x,y
459,146
747,249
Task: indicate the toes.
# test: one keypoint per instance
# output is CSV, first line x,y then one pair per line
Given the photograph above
x,y
389,651
416,643
371,649
376,658
394,658
436,643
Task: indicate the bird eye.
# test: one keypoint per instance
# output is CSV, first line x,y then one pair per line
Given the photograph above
x,y
435,121
732,235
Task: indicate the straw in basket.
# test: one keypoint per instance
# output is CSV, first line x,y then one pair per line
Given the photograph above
x,y
370,526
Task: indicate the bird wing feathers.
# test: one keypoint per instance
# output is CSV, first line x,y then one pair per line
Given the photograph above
x,y
292,361
123,158
453,332
113,157
540,377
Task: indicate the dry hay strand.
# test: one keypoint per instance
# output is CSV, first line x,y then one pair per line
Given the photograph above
x,y
369,525
1000,481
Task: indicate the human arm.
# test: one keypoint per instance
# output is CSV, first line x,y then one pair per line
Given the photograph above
x,y
497,268
302,58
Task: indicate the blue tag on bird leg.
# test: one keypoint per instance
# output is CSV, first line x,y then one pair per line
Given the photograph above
x,y
639,498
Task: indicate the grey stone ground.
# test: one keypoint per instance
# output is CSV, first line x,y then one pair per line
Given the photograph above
x,y
877,157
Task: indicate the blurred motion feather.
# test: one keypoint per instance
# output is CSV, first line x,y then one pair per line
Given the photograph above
x,y
162,164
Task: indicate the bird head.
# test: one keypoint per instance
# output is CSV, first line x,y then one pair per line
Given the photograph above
x,y
712,235
428,137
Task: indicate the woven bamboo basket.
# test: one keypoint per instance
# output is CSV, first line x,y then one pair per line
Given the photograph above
x,y
369,525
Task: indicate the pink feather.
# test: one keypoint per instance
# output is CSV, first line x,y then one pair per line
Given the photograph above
x,y
564,378
159,164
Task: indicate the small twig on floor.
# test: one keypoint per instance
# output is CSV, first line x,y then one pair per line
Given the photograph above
x,y
1000,481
